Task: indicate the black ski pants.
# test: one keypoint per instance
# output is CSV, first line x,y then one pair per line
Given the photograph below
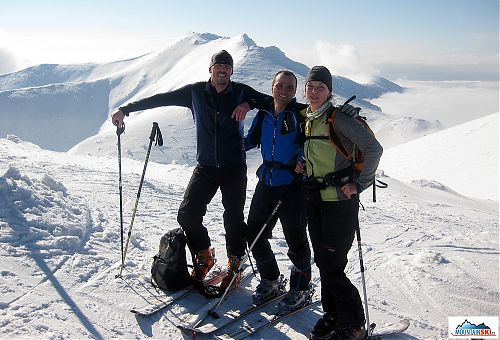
x,y
332,226
292,217
204,183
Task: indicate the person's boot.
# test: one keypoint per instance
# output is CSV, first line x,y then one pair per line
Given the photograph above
x,y
204,261
327,328
233,263
324,328
348,333
293,300
268,289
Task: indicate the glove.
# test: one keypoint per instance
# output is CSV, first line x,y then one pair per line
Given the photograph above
x,y
350,110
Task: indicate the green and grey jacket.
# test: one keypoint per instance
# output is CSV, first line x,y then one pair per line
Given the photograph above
x,y
322,157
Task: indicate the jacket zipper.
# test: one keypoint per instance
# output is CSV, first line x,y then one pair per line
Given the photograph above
x,y
215,137
273,149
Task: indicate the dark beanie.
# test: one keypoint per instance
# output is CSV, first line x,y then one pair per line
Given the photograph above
x,y
221,57
320,73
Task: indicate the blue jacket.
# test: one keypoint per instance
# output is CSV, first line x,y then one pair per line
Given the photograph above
x,y
281,140
219,137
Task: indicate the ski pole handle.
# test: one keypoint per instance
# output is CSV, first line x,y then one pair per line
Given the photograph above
x,y
153,131
349,100
120,129
156,134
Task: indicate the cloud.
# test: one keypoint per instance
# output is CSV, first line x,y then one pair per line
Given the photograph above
x,y
450,102
344,60
8,61
485,69
414,62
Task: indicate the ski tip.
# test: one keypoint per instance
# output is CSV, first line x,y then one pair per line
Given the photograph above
x,y
184,329
142,312
137,312
391,328
193,332
406,322
190,332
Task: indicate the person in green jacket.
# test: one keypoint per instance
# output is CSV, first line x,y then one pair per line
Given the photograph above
x,y
332,187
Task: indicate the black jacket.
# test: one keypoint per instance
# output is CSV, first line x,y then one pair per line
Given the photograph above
x,y
219,137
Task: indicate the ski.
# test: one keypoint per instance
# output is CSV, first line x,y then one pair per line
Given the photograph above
x,y
152,308
248,330
390,329
199,319
197,332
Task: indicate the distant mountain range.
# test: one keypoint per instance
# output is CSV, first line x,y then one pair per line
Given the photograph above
x,y
59,107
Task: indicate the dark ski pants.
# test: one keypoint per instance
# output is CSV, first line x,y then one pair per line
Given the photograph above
x,y
332,226
292,217
204,183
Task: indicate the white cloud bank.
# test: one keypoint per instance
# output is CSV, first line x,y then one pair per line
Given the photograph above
x,y
452,102
8,61
344,60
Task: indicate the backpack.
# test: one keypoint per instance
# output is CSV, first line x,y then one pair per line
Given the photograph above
x,y
286,126
170,270
257,132
356,156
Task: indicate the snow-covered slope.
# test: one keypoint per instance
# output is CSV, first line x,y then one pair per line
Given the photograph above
x,y
429,252
58,106
430,242
392,131
55,116
464,157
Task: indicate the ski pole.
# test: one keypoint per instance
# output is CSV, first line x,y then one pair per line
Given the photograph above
x,y
213,310
358,238
119,131
378,184
251,263
155,133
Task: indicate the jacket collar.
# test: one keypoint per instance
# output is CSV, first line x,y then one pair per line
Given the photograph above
x,y
289,107
209,88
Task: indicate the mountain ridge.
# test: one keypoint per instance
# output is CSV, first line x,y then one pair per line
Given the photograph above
x,y
184,61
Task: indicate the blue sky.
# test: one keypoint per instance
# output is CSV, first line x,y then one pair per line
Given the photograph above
x,y
417,39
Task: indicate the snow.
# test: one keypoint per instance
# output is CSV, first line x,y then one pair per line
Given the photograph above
x,y
464,157
430,242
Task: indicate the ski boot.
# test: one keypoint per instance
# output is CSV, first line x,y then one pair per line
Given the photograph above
x,y
204,261
268,289
295,299
233,263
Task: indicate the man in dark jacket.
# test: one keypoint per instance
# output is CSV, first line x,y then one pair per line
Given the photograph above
x,y
218,112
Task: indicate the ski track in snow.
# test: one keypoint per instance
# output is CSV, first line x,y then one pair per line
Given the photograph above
x,y
428,253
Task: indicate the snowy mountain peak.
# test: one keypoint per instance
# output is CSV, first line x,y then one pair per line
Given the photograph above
x,y
199,38
245,39
44,103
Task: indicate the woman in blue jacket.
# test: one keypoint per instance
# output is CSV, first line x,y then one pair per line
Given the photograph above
x,y
277,130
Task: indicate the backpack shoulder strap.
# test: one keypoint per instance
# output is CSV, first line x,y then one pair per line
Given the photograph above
x,y
334,137
257,131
